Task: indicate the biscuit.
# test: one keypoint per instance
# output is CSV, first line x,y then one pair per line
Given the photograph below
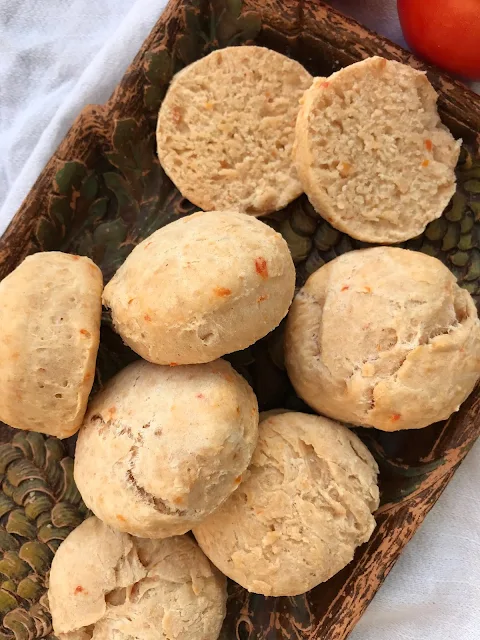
x,y
203,286
371,152
111,585
162,447
50,318
305,505
226,129
385,338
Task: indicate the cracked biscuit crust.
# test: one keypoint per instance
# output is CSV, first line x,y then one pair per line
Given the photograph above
x,y
105,584
226,129
305,505
383,337
162,447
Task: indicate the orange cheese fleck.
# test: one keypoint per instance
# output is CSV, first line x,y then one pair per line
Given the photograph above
x,y
395,417
345,287
177,115
222,292
425,163
428,145
85,333
261,267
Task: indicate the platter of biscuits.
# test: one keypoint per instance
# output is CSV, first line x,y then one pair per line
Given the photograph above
x,y
240,342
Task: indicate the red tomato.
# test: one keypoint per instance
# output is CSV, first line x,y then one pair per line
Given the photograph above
x,y
444,32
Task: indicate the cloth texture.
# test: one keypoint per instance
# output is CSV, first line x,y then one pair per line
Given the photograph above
x,y
56,56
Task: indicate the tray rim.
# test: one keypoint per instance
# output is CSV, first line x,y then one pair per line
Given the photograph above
x,y
455,98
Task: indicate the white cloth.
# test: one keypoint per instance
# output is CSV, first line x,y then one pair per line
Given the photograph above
x,y
58,55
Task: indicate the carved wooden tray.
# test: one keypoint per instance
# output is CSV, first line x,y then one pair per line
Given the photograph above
x,y
103,191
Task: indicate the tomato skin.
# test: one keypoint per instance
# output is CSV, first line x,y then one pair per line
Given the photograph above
x,y
444,32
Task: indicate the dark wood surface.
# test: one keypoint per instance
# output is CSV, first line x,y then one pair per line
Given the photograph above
x,y
103,191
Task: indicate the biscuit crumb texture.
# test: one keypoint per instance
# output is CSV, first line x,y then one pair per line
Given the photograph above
x,y
50,318
302,510
226,129
203,286
162,447
385,338
107,585
371,152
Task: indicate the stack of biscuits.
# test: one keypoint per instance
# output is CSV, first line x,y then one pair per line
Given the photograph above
x,y
174,443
